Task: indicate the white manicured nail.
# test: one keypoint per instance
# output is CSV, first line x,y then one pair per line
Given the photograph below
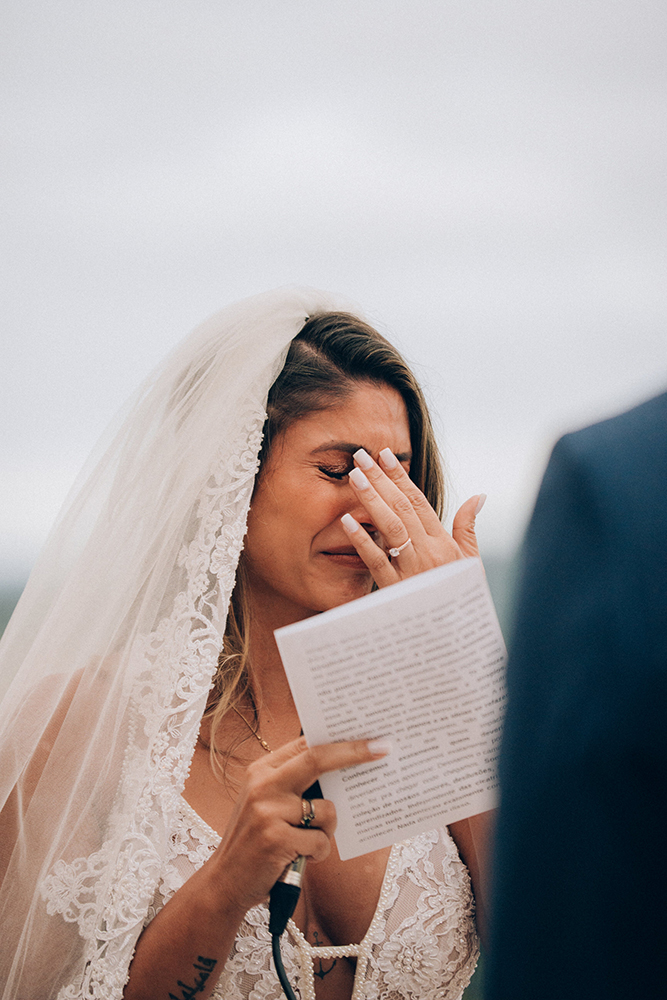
x,y
389,460
359,479
363,459
381,747
480,503
350,522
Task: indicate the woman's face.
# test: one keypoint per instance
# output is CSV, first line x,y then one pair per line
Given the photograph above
x,y
298,558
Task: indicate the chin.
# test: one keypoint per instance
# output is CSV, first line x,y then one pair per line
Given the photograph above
x,y
351,592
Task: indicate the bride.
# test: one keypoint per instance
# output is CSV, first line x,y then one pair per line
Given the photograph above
x,y
153,772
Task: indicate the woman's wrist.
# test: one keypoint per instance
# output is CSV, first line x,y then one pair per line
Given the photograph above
x,y
221,891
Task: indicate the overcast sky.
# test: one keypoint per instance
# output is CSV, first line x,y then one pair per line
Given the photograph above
x,y
486,179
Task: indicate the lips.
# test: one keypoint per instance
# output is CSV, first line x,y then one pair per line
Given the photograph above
x,y
344,555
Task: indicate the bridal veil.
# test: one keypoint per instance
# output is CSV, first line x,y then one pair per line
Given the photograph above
x,y
110,654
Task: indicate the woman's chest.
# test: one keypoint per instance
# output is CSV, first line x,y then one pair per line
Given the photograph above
x,y
339,898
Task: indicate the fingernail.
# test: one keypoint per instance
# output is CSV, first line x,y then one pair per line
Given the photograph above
x,y
359,479
480,503
363,459
381,747
389,460
350,522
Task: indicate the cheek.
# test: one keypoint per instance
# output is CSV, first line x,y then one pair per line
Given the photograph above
x,y
318,506
276,514
289,511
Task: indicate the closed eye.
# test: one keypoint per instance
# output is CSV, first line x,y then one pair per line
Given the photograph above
x,y
335,473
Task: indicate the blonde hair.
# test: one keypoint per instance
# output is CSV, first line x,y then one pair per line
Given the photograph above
x,y
332,353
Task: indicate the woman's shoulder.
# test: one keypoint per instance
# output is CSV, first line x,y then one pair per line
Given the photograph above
x,y
32,723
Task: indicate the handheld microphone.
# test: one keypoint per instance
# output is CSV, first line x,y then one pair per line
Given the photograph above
x,y
282,902
285,893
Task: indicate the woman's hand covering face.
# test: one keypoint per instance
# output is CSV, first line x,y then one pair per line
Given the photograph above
x,y
405,519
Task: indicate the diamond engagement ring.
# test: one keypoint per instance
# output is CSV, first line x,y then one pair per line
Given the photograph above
x,y
397,551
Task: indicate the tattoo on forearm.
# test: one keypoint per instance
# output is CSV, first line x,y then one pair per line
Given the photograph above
x,y
204,967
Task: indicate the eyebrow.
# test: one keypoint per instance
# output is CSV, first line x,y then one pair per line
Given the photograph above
x,y
350,448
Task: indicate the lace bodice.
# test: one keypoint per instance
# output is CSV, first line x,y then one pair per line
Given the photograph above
x,y
421,943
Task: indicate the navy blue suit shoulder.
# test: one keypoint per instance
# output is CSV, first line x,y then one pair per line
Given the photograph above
x,y
581,871
626,456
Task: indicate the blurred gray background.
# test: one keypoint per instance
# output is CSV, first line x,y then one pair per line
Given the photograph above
x,y
486,179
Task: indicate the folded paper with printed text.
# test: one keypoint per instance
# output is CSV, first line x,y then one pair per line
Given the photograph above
x,y
422,663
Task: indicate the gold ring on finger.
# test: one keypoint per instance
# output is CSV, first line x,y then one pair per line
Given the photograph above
x,y
308,813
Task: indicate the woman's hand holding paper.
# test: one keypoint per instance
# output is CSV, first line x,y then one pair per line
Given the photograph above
x,y
266,831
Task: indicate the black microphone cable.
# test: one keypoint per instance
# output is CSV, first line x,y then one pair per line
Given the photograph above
x,y
282,902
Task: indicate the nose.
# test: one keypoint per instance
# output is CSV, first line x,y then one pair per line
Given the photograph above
x,y
359,513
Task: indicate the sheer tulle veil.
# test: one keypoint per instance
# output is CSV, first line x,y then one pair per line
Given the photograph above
x,y
112,649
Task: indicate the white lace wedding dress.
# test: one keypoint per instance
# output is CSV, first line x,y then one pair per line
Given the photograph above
x,y
109,660
421,944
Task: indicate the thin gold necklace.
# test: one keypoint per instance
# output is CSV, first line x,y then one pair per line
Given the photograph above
x,y
255,732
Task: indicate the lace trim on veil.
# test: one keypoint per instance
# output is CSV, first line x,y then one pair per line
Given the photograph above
x,y
108,893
